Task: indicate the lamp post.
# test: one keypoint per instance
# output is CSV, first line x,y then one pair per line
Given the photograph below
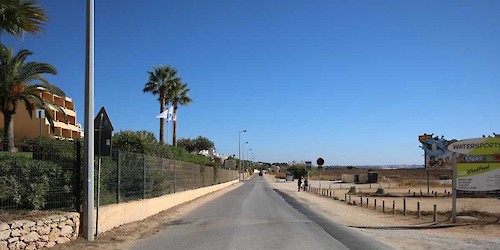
x,y
243,155
239,152
248,155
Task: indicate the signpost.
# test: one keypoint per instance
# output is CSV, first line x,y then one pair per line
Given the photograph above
x,y
320,163
476,171
40,113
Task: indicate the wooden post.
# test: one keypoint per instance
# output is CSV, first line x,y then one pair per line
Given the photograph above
x,y
393,207
435,213
404,206
383,206
367,202
418,209
361,200
375,205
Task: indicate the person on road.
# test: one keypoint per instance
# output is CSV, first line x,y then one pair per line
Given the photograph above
x,y
306,183
299,182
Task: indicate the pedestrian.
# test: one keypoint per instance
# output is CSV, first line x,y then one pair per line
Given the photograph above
x,y
299,182
306,183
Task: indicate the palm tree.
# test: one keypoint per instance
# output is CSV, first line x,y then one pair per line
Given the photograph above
x,y
18,16
159,84
23,82
178,95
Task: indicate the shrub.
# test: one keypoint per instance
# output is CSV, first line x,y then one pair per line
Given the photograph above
x,y
26,182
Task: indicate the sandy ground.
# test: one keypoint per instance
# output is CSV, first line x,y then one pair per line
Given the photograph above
x,y
461,237
121,237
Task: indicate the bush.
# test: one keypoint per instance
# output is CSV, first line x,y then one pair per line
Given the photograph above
x,y
26,182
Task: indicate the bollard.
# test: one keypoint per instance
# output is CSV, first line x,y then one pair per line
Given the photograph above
x,y
418,209
404,206
393,207
383,206
367,202
435,213
361,200
375,205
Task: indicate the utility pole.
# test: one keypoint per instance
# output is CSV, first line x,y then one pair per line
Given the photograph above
x,y
88,180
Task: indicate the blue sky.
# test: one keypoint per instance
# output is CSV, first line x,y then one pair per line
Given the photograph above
x,y
354,82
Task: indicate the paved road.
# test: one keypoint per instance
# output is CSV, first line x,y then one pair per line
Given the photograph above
x,y
254,216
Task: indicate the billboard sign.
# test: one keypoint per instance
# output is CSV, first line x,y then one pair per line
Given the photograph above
x,y
477,146
438,157
477,176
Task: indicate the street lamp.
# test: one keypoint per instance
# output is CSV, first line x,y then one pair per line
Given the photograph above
x,y
239,152
243,155
248,156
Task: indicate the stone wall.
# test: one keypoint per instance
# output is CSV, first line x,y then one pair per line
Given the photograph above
x,y
44,232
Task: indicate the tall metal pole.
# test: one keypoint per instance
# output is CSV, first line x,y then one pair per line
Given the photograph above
x,y
239,156
239,152
88,185
427,169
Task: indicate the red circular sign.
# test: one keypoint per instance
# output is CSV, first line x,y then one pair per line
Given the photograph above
x,y
320,161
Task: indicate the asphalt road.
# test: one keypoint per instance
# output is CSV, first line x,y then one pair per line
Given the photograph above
x,y
254,216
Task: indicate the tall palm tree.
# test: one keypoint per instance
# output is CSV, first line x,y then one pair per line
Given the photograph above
x,y
160,80
18,16
178,95
23,82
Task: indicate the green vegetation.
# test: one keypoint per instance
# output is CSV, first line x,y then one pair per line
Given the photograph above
x,y
159,84
178,95
144,142
298,170
19,16
25,182
16,76
195,145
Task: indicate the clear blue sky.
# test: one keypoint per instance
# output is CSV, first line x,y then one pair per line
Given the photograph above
x,y
354,82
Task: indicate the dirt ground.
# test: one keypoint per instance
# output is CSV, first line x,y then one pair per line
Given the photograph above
x,y
388,228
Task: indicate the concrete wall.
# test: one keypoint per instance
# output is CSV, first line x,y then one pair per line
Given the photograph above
x,y
114,215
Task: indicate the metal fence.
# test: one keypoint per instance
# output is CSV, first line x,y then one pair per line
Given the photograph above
x,y
129,176
48,176
41,176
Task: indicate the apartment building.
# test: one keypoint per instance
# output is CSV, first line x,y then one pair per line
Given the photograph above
x,y
27,128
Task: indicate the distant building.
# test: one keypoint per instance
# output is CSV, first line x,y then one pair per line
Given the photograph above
x,y
28,128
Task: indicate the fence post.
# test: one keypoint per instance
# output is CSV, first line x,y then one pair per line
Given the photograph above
x,y
383,206
144,176
175,177
393,207
118,175
435,213
375,205
367,204
404,206
361,200
418,209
